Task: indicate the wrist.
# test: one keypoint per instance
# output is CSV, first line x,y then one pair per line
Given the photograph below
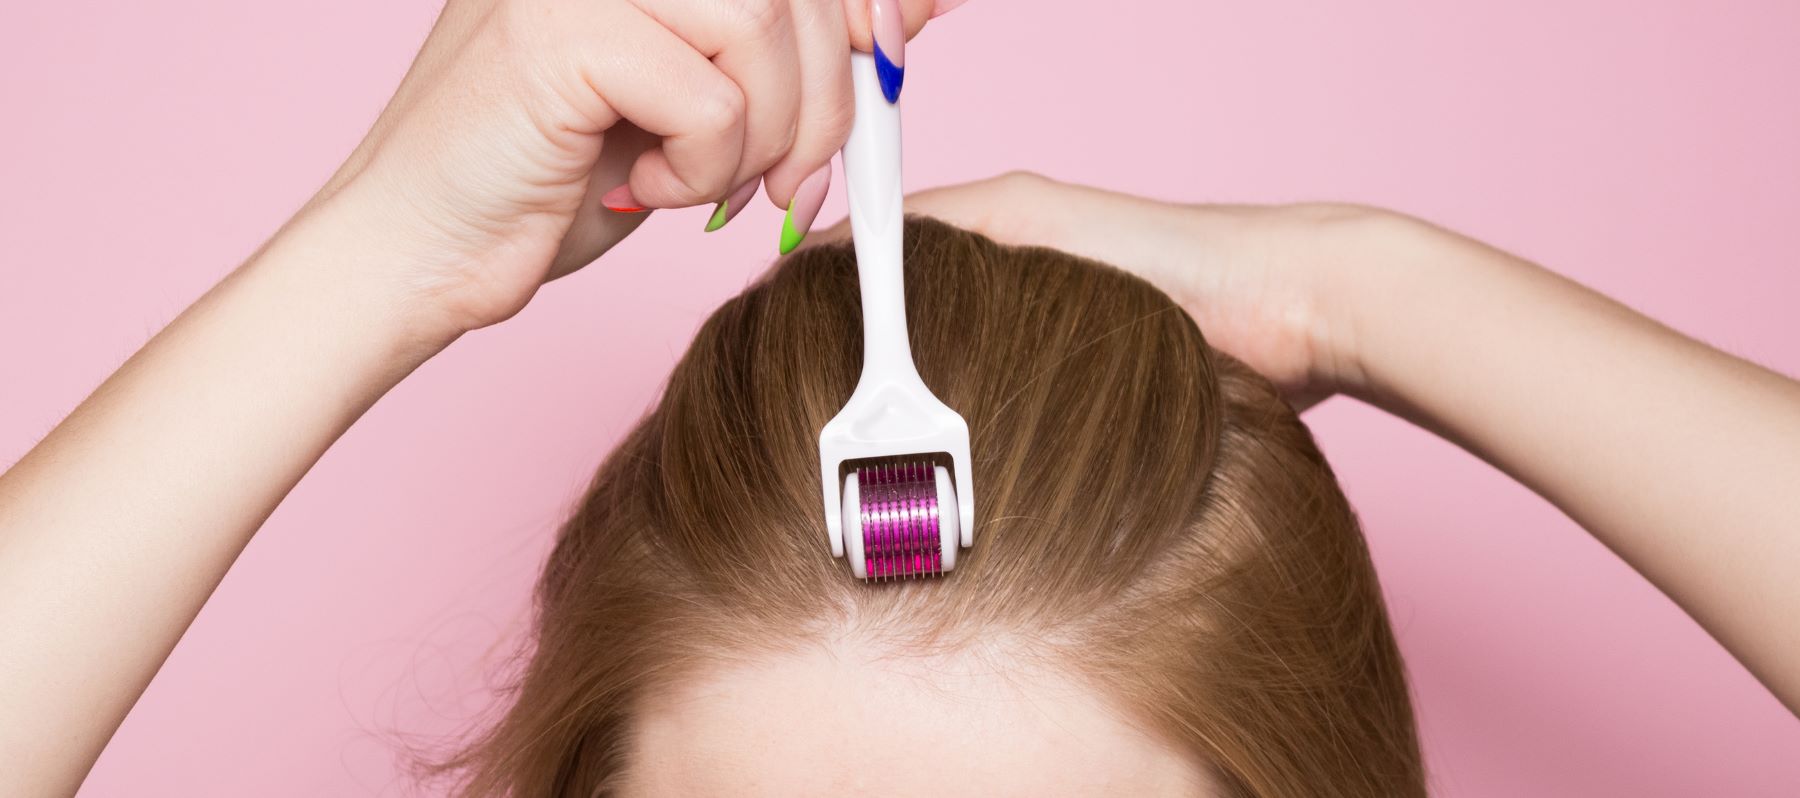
x,y
1412,292
1373,265
334,258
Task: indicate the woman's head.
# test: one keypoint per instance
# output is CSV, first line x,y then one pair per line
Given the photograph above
x,y
1168,593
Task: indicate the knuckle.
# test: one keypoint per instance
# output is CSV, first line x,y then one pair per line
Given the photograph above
x,y
823,132
776,150
718,111
761,16
790,133
704,187
1021,180
837,122
772,147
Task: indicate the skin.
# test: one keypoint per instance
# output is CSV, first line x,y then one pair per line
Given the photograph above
x,y
120,523
852,717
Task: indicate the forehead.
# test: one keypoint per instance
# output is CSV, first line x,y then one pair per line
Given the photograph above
x,y
834,720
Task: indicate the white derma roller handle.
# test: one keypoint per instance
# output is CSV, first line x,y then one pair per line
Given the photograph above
x,y
872,181
891,415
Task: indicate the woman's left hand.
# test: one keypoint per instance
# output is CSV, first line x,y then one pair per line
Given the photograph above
x,y
1274,286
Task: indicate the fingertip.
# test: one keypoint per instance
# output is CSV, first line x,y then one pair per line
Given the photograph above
x,y
731,206
826,136
889,74
858,19
622,200
780,184
942,7
654,183
804,208
918,12
778,188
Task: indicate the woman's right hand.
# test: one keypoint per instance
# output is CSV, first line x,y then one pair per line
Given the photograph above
x,y
1271,285
528,133
485,175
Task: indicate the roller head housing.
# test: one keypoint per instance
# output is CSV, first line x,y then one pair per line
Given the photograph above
x,y
902,446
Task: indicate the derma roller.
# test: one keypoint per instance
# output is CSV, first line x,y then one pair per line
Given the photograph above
x,y
891,505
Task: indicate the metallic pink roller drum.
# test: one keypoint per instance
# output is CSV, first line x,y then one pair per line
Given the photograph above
x,y
900,522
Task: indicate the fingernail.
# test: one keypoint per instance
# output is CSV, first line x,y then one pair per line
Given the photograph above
x,y
729,207
619,200
890,46
944,7
804,208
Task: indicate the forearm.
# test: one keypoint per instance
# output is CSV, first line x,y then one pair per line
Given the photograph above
x,y
115,529
1684,460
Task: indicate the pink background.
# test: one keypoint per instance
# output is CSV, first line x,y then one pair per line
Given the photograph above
x,y
1651,149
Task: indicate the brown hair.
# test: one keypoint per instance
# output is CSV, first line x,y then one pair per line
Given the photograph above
x,y
1149,509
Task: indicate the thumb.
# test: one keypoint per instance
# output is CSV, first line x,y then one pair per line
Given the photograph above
x,y
596,229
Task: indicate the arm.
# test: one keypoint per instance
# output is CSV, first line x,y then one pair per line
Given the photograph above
x,y
492,170
1682,459
119,524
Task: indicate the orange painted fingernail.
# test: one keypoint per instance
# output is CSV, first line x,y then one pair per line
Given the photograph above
x,y
620,200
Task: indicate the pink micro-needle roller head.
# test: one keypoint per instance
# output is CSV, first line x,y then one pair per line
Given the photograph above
x,y
900,521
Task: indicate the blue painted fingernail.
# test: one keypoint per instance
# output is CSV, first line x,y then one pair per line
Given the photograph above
x,y
890,46
889,75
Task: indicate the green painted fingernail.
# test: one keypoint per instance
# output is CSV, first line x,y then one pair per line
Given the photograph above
x,y
791,236
804,208
721,215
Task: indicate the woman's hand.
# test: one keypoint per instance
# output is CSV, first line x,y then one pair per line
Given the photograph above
x,y
1268,284
1678,457
523,121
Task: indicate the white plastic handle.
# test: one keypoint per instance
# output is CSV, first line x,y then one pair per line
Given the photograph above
x,y
877,215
